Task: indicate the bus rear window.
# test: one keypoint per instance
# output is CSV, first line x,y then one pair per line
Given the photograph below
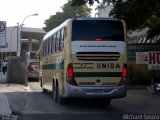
x,y
97,30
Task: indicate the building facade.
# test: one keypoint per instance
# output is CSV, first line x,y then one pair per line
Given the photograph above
x,y
20,40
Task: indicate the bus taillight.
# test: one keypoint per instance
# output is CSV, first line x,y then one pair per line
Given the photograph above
x,y
70,71
124,75
70,76
30,69
124,71
98,39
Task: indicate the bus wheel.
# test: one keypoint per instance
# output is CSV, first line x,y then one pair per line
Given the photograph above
x,y
40,81
44,90
61,101
55,92
56,95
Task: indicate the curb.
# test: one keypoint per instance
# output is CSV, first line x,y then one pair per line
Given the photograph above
x,y
4,105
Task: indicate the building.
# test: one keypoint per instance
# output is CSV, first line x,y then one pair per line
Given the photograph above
x,y
20,40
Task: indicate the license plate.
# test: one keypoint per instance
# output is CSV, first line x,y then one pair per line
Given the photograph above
x,y
98,91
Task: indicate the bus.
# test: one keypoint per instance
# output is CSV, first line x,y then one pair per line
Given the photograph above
x,y
32,66
85,58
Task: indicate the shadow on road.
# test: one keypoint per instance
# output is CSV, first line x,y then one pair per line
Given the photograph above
x,y
36,105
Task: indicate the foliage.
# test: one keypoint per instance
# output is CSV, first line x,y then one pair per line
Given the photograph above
x,y
138,14
153,22
68,11
133,12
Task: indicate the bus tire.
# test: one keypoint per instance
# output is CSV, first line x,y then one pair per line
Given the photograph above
x,y
44,90
55,92
61,101
56,95
40,81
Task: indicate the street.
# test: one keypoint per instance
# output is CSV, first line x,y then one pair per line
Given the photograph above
x,y
29,103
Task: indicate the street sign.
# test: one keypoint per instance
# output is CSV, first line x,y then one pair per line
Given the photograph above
x,y
2,33
141,57
154,60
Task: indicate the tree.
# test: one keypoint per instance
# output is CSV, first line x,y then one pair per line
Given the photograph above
x,y
138,14
68,11
134,12
153,22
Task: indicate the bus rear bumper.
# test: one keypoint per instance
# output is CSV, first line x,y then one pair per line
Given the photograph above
x,y
96,92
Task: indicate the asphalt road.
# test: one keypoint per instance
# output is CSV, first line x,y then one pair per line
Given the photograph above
x,y
32,104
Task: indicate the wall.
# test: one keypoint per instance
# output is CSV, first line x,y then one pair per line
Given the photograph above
x,y
16,70
11,40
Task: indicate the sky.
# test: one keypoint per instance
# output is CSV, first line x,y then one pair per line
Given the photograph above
x,y
15,11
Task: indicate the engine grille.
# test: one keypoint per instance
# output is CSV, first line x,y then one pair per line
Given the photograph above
x,y
98,56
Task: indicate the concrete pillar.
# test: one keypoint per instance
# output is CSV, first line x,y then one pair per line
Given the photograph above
x,y
16,70
30,44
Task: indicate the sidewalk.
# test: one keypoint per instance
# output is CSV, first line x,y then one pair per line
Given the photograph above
x,y
3,77
4,105
6,88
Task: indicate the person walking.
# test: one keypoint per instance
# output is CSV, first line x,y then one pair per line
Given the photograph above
x,y
4,66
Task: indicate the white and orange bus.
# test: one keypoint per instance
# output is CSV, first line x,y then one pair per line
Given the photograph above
x,y
85,58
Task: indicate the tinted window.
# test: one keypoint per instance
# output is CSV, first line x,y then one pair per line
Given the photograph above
x,y
90,30
32,55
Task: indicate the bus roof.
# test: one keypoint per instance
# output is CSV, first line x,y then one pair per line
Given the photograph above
x,y
99,18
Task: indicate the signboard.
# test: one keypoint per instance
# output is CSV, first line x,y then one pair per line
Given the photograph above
x,y
2,33
141,57
154,60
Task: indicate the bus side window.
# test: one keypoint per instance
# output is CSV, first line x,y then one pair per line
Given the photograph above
x,y
58,40
62,38
54,43
45,48
48,46
65,32
50,43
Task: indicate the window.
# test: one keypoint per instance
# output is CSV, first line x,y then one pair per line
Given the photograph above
x,y
100,30
58,40
62,38
32,55
44,48
52,42
48,46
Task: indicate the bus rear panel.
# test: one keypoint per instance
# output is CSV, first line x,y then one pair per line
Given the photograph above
x,y
98,66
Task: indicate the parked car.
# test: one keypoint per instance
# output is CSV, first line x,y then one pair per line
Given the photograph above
x,y
32,66
33,71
